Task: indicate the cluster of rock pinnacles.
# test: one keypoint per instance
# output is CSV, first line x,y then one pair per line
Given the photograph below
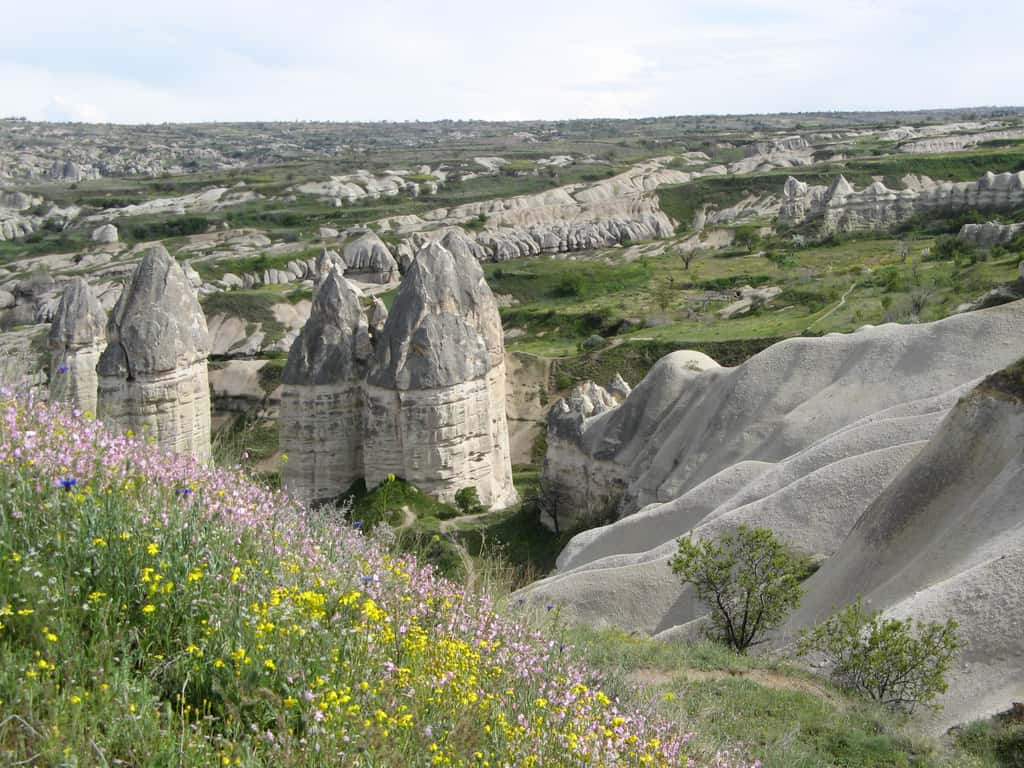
x,y
418,393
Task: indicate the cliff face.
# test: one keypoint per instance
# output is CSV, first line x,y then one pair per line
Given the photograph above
x,y
945,540
843,208
569,218
435,393
77,338
153,374
802,438
321,417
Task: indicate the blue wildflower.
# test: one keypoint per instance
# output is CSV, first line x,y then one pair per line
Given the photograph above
x,y
62,368
67,483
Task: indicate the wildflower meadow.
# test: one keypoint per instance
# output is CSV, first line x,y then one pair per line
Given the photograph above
x,y
155,611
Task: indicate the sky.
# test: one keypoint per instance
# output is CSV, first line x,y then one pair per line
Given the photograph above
x,y
151,61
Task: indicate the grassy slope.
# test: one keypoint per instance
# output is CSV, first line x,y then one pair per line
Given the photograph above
x,y
789,718
557,313
142,624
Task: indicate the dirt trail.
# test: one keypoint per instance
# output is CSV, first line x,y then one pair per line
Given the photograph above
x,y
842,302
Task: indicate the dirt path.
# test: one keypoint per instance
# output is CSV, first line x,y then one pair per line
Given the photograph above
x,y
447,526
836,308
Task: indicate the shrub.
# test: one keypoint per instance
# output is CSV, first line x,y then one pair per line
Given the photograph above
x,y
468,501
570,286
882,658
748,578
949,248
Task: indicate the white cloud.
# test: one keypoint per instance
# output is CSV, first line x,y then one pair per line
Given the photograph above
x,y
208,60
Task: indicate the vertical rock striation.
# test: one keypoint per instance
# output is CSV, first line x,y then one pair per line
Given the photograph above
x,y
435,393
78,337
152,375
321,422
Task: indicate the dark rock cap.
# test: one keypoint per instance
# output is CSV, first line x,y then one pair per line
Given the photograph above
x,y
80,319
157,325
334,343
443,329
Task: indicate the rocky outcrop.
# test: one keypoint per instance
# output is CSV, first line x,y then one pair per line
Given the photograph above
x,y
990,234
801,438
327,262
435,393
321,421
945,539
153,375
105,234
78,336
368,260
582,484
785,144
66,170
376,317
840,207
569,218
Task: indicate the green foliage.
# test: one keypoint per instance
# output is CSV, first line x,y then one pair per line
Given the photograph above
x,y
748,579
468,501
999,741
569,286
949,248
384,504
884,659
175,226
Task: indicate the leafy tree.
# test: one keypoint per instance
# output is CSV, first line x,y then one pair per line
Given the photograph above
x,y
748,578
468,501
883,658
949,248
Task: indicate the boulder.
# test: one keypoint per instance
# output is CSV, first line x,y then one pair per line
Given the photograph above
x,y
326,262
377,317
105,234
153,373
78,336
435,393
321,421
368,260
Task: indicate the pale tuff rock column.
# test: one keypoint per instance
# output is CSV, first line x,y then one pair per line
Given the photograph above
x,y
152,376
376,316
78,337
321,421
435,400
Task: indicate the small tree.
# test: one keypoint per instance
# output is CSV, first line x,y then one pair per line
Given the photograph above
x,y
748,578
882,658
468,501
663,295
688,256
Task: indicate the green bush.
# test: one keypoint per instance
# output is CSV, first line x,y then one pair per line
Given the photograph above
x,y
468,501
748,578
883,658
949,248
569,286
